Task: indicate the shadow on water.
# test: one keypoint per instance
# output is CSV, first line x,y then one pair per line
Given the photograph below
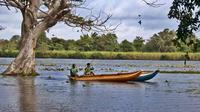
x,y
27,96
88,84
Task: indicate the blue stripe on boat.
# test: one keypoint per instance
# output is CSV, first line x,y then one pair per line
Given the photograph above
x,y
147,77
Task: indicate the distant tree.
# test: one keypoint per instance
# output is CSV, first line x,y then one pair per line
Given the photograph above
x,y
57,46
188,45
44,43
126,46
138,43
57,43
184,48
58,40
161,42
15,38
3,44
196,47
71,45
14,43
96,42
85,43
104,42
107,42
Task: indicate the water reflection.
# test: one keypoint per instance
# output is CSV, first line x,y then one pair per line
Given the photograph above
x,y
27,96
164,93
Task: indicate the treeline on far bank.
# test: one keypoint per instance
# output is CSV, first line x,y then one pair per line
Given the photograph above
x,y
161,42
108,55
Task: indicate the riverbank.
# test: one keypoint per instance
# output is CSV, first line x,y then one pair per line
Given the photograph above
x,y
181,72
108,55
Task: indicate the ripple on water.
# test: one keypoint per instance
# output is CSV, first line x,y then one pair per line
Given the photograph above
x,y
50,92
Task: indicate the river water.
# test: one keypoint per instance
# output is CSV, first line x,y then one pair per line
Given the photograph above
x,y
52,92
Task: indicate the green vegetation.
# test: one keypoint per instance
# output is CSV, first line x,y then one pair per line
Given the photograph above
x,y
184,72
163,41
108,55
159,47
187,13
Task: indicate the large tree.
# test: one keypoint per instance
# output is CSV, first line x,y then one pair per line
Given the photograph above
x,y
138,43
162,42
38,16
126,46
188,13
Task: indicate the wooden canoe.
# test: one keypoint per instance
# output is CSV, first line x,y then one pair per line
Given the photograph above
x,y
118,77
146,77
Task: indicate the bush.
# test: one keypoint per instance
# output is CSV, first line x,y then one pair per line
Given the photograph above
x,y
164,57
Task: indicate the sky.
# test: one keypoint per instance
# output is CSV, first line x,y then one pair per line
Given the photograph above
x,y
124,12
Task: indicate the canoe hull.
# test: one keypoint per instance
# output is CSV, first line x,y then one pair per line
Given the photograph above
x,y
146,76
120,77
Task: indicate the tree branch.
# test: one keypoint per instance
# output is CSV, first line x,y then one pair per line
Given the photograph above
x,y
11,3
154,3
93,23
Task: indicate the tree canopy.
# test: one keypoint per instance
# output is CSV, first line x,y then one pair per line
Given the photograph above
x,y
188,13
159,42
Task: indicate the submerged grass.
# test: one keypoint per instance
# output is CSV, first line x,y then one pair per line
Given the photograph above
x,y
108,55
184,72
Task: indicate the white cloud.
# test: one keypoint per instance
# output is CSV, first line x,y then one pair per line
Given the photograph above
x,y
126,12
63,31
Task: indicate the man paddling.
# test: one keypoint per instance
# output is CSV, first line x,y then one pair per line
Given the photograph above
x,y
74,70
89,70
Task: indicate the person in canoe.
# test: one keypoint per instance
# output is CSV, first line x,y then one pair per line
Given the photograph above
x,y
74,71
89,70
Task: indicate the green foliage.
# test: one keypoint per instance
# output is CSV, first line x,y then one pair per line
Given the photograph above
x,y
187,12
138,43
108,55
57,46
196,47
161,42
110,42
71,45
85,43
126,46
12,44
3,44
95,42
105,42
43,42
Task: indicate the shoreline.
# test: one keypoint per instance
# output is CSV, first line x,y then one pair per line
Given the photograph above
x,y
179,72
104,55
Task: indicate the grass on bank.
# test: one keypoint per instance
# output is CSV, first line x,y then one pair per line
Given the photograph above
x,y
181,72
108,55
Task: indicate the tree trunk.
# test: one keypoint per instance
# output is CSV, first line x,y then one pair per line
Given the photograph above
x,y
24,63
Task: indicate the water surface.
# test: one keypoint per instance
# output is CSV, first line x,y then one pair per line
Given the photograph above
x,y
52,92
